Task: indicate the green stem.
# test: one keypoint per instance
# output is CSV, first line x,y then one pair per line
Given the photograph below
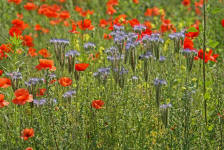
x,y
204,49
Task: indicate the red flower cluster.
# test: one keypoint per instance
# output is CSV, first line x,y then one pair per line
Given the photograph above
x,y
17,2
22,97
65,81
46,64
5,82
186,2
208,56
3,103
152,12
97,104
85,24
110,6
82,12
27,133
30,6
17,28
5,48
81,67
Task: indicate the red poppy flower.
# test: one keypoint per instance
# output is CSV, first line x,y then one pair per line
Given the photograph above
x,y
19,16
22,96
2,101
107,36
186,2
134,22
17,2
97,104
45,30
111,10
30,6
85,24
46,64
6,48
28,41
78,9
188,43
64,15
19,24
152,12
120,20
41,92
81,67
37,27
135,1
112,2
29,148
103,23
1,72
32,52
148,24
14,31
222,22
208,56
27,133
5,82
65,81
44,52
73,29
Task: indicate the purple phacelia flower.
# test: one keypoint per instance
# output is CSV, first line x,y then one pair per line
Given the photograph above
x,y
69,93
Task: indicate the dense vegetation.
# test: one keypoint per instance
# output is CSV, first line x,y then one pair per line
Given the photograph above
x,y
111,74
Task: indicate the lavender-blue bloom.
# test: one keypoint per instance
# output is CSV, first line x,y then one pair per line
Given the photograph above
x,y
52,76
102,72
139,28
178,35
188,51
59,41
162,58
123,71
72,53
39,102
113,58
165,106
147,55
130,45
116,27
135,78
159,82
89,45
112,50
34,81
14,75
132,36
69,93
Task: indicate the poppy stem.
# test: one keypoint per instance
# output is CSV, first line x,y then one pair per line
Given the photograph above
x,y
204,50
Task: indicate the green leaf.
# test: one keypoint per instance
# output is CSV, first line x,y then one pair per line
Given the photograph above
x,y
212,43
216,10
192,29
